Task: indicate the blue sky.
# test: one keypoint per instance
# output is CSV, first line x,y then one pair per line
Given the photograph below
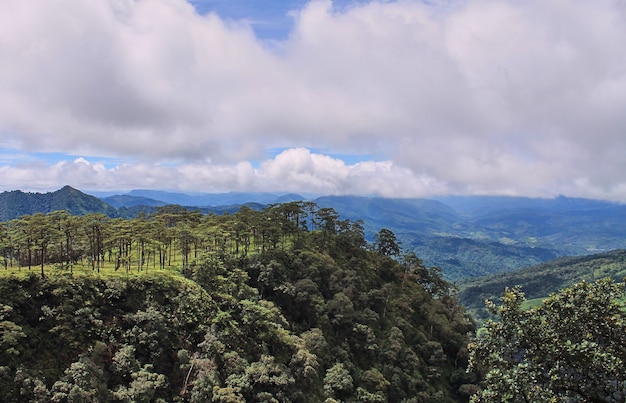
x,y
270,20
402,98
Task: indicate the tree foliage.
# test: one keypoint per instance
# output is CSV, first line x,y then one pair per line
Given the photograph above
x,y
572,348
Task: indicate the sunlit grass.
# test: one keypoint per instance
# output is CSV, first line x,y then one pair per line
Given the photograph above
x,y
106,270
532,303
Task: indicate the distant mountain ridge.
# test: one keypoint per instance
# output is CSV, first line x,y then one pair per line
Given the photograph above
x,y
152,197
465,236
126,200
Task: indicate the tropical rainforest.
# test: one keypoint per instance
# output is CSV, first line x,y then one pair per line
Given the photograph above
x,y
287,304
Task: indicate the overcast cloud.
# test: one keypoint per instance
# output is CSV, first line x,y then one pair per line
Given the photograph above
x,y
520,97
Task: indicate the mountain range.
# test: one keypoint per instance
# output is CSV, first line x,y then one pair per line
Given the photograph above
x,y
467,236
161,198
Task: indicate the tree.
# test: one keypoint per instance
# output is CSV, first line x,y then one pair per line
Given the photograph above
x,y
386,243
43,234
84,380
67,227
95,226
11,338
293,215
122,238
24,239
186,235
571,348
6,244
162,237
145,384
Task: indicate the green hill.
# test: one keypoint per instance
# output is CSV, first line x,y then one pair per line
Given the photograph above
x,y
15,204
462,258
541,280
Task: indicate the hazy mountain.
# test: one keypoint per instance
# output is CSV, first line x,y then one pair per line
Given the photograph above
x,y
126,200
415,215
476,206
474,236
213,199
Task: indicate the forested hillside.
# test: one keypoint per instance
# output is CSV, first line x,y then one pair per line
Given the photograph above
x,y
16,203
544,279
288,304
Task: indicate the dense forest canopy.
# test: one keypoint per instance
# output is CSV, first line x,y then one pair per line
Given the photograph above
x,y
288,304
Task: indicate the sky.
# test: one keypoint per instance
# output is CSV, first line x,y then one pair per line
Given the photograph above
x,y
406,98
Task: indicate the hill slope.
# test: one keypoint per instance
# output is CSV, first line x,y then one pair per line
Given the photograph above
x,y
16,203
310,317
211,199
128,201
541,280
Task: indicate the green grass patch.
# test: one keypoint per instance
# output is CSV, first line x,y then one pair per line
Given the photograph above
x,y
532,303
106,270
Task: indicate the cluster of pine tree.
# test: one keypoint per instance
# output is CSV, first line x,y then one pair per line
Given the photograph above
x,y
306,312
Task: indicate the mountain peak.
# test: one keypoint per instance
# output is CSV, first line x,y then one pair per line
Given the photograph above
x,y
68,189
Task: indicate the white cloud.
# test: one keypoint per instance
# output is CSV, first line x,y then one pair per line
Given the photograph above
x,y
473,96
293,170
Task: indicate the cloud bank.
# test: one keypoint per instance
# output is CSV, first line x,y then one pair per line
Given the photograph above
x,y
293,170
470,97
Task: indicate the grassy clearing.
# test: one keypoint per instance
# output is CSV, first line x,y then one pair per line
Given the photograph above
x,y
106,270
532,303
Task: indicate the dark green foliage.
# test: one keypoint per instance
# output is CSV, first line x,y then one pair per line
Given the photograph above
x,y
571,348
67,336
375,318
289,304
386,243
